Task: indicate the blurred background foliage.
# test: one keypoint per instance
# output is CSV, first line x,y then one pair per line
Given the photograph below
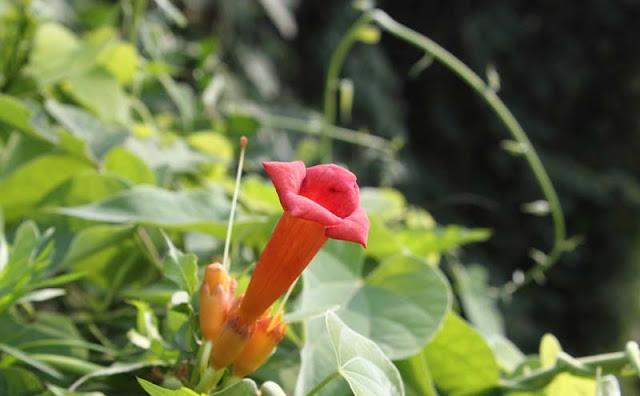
x,y
569,72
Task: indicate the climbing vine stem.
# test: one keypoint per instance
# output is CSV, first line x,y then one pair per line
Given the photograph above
x,y
389,25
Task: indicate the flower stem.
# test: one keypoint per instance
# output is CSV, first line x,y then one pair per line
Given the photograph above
x,y
322,383
209,380
234,203
489,95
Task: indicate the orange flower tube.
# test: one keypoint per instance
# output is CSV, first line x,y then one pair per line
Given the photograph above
x,y
319,202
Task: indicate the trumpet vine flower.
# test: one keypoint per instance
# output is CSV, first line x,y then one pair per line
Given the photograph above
x,y
319,202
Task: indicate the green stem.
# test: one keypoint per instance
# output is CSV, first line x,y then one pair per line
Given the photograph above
x,y
492,99
209,380
146,241
333,76
633,353
327,131
585,366
322,383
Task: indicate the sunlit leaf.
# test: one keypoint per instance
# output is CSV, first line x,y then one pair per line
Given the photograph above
x,y
564,383
400,305
121,61
460,361
20,192
128,166
110,105
195,210
361,362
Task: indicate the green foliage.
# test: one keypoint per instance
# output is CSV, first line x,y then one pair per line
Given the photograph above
x,y
118,127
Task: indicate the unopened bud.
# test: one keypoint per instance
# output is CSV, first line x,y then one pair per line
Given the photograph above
x,y
268,333
231,340
216,294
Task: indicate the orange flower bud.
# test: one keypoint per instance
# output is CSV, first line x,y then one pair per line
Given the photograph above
x,y
268,333
231,340
216,294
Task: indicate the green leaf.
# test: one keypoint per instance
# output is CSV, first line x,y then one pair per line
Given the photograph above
x,y
195,210
19,382
400,305
383,242
259,195
110,105
423,242
28,360
22,190
361,362
4,246
478,304
128,166
242,124
82,188
121,61
385,203
99,136
102,253
43,295
508,356
53,44
156,390
549,349
48,333
15,114
246,387
564,383
67,363
114,369
57,391
181,269
58,54
29,258
177,157
91,240
416,376
460,361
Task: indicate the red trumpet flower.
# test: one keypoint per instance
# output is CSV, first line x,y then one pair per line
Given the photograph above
x,y
319,202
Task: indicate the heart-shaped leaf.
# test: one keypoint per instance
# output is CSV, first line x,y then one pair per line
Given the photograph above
x,y
361,362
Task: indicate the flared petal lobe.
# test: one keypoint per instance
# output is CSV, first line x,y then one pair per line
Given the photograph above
x,y
325,194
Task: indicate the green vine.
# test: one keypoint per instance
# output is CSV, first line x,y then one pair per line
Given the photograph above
x,y
435,51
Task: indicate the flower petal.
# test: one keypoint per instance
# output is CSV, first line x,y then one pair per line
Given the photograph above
x,y
304,208
354,228
287,177
332,187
